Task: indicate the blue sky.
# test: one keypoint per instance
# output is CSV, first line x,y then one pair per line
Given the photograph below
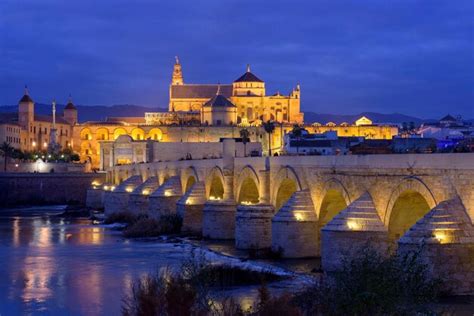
x,y
412,57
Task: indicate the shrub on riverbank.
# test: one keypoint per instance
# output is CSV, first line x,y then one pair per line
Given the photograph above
x,y
149,227
187,292
369,284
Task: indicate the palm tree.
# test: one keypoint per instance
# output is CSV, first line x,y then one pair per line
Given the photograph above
x,y
7,151
244,134
297,132
269,127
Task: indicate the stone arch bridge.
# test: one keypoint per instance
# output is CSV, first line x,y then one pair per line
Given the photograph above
x,y
303,206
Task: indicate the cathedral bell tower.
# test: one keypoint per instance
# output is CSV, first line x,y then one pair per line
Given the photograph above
x,y
177,73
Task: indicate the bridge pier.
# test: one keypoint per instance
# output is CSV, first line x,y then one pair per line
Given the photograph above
x,y
163,200
354,228
190,207
294,227
117,200
253,227
219,219
444,239
139,199
95,197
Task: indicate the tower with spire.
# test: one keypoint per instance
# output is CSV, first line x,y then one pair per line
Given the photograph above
x,y
70,112
177,78
26,110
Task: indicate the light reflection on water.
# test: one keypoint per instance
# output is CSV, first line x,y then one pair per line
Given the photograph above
x,y
55,266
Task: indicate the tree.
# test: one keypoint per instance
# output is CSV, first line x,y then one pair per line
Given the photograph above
x,y
244,134
269,127
297,132
7,151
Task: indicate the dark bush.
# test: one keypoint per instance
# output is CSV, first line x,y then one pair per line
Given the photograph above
x,y
149,227
371,284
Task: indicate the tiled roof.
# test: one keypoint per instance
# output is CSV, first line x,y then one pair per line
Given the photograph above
x,y
248,77
449,118
26,98
219,101
70,106
199,91
9,117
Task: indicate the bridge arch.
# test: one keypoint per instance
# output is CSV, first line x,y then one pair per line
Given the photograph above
x,y
248,185
334,197
409,202
215,184
284,184
189,176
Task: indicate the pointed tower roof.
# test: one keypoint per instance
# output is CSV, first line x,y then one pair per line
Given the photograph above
x,y
26,97
70,105
248,76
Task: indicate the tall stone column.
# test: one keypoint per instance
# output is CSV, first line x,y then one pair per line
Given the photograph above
x,y
265,183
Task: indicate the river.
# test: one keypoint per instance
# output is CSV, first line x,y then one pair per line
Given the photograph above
x,y
51,265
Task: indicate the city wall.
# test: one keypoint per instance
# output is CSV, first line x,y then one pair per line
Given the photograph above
x,y
50,188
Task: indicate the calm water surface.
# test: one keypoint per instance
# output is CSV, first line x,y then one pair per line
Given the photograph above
x,y
55,266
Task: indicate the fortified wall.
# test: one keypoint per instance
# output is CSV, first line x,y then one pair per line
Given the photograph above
x,y
48,188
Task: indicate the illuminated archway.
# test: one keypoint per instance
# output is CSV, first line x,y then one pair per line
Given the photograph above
x,y
215,184
332,203
86,134
155,134
248,192
138,134
102,134
247,186
286,189
189,183
216,190
118,132
409,207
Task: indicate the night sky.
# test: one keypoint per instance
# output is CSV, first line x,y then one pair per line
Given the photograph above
x,y
412,57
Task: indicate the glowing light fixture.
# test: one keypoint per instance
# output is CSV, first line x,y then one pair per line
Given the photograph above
x,y
353,225
246,203
299,217
106,187
112,188
146,191
129,189
441,236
